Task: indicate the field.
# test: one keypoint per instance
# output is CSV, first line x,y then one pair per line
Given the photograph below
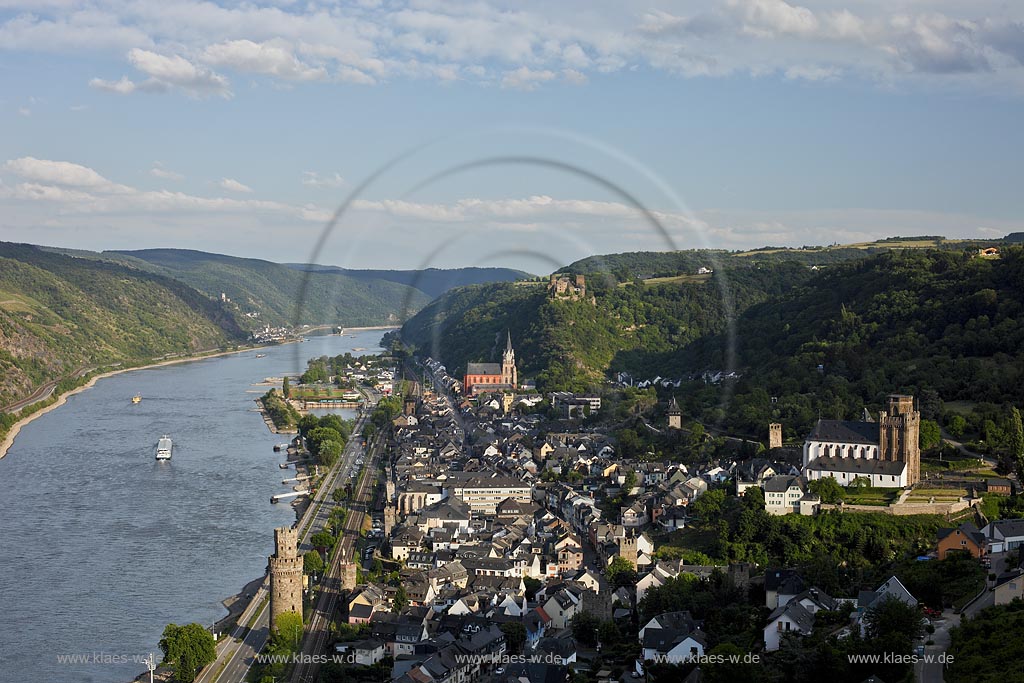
x,y
941,495
678,279
324,391
870,496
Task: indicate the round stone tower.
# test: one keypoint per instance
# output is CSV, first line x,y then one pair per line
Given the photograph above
x,y
285,575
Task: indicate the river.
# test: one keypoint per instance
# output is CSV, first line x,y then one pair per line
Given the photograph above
x,y
103,545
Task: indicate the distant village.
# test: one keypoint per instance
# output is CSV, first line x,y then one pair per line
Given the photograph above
x,y
502,523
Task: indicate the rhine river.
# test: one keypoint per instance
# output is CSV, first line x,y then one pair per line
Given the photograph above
x,y
103,546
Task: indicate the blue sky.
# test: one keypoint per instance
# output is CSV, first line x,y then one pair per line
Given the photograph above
x,y
240,127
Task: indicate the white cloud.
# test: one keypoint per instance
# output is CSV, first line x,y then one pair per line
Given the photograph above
x,y
525,78
123,86
62,173
314,179
158,171
811,73
176,71
262,58
24,111
232,185
527,45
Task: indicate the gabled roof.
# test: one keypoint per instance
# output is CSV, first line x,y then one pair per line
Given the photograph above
x,y
797,614
859,466
967,529
483,368
845,431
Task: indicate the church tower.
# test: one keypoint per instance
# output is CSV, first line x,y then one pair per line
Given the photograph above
x,y
898,434
675,415
285,575
509,374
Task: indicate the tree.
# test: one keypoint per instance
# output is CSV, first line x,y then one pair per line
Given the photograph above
x,y
629,482
187,648
956,425
929,435
708,506
584,628
312,562
894,623
515,636
289,630
323,539
1017,442
329,452
826,488
621,572
401,601
286,388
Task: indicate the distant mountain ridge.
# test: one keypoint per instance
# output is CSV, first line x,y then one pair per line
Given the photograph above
x,y
60,315
431,281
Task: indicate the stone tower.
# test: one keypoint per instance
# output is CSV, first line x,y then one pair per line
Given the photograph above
x,y
628,549
509,374
348,575
774,435
675,415
390,516
285,575
898,431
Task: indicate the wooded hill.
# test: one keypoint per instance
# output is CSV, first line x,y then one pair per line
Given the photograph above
x,y
59,315
931,322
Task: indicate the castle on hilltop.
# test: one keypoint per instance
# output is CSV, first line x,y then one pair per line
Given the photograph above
x,y
887,453
501,376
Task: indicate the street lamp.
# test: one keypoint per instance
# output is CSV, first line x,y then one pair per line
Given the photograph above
x,y
151,666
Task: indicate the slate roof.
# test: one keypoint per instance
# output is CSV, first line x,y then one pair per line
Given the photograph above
x,y
796,613
483,368
859,466
969,530
845,431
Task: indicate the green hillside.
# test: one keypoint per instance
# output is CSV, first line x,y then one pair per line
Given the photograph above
x,y
943,324
60,314
635,326
274,290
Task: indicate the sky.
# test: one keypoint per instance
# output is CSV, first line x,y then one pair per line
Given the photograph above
x,y
416,133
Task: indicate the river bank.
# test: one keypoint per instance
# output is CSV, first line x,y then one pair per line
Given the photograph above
x,y
12,433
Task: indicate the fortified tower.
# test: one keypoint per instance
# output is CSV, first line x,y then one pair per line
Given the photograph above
x,y
285,575
774,435
898,431
675,415
509,374
628,549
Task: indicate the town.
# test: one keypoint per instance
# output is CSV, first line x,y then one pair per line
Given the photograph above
x,y
511,538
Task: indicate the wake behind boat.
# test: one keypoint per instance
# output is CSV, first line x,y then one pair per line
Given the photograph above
x,y
163,448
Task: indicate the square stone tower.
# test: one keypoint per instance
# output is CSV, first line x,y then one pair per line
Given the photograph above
x,y
774,435
898,435
285,575
675,415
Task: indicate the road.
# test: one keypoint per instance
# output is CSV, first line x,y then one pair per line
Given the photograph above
x,y
318,630
44,392
234,658
932,671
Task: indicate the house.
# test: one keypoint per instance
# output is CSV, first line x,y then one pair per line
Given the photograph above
x,y
562,607
791,617
1009,586
672,637
1004,534
965,537
367,652
780,585
999,487
782,494
892,588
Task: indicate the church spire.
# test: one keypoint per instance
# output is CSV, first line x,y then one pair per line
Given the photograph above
x,y
508,345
